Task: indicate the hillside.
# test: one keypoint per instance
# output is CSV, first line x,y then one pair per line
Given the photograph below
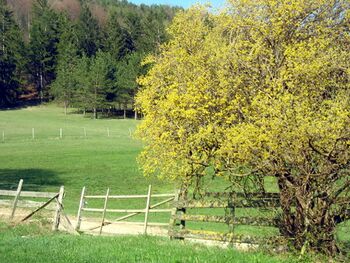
x,y
23,9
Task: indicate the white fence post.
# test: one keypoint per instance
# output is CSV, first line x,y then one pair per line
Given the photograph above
x,y
81,205
104,211
57,217
15,201
147,209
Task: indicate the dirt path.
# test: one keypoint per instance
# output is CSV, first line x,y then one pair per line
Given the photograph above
x,y
88,223
121,228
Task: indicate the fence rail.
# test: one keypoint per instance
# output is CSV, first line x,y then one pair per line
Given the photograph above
x,y
16,202
229,201
130,212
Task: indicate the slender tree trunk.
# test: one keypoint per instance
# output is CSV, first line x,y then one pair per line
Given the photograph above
x,y
135,115
41,87
95,110
65,107
3,34
28,25
95,113
125,105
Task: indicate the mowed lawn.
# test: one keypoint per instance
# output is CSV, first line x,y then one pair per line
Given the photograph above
x,y
48,161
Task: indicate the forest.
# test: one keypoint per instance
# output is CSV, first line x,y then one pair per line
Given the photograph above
x,y
81,53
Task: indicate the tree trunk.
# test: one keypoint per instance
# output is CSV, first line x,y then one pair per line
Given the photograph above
x,y
41,87
95,113
311,225
65,107
135,115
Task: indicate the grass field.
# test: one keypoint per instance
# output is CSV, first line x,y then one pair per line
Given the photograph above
x,y
46,162
30,243
97,161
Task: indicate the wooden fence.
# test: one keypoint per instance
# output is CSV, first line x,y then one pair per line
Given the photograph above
x,y
146,210
230,202
57,206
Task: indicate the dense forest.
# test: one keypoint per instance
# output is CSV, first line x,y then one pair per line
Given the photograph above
x,y
82,53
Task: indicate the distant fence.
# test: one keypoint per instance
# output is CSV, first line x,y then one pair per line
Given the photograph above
x,y
61,133
54,202
146,210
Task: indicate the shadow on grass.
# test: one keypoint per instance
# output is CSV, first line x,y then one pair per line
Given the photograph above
x,y
21,104
33,179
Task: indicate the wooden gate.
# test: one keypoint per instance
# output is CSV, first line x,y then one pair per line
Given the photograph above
x,y
107,202
54,201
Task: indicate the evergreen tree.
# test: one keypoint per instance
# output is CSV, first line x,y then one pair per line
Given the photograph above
x,y
94,78
127,72
89,32
43,45
119,42
64,86
11,57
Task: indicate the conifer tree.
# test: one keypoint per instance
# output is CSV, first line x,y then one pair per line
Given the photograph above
x,y
11,56
44,36
89,32
64,87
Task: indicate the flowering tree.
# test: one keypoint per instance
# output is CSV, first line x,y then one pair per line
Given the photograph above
x,y
261,89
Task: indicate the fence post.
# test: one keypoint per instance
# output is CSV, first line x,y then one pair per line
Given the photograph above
x,y
231,206
57,218
81,204
172,222
15,201
104,211
33,133
148,203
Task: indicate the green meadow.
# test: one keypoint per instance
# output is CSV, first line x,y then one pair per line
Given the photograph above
x,y
97,161
98,154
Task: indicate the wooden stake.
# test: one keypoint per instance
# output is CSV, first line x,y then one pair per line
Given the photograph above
x,y
15,201
104,211
108,132
84,132
231,213
33,133
81,205
56,221
147,208
3,136
61,133
172,222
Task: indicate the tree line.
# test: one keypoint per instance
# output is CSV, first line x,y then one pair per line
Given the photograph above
x,y
86,59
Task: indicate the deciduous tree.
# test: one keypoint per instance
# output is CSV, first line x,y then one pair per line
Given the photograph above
x,y
261,89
